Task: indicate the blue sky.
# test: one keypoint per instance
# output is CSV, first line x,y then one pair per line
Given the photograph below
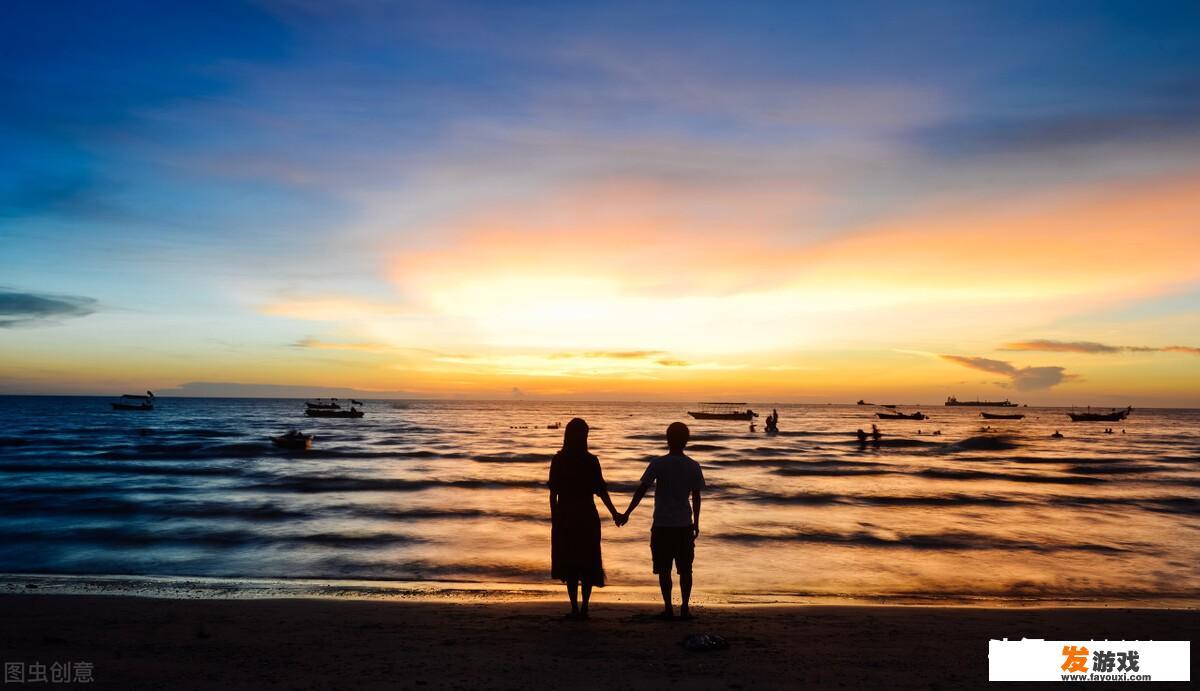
x,y
207,172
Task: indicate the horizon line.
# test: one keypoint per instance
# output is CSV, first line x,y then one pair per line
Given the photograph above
x,y
534,399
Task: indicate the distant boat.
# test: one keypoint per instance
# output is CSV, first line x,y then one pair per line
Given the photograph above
x,y
862,402
902,416
1001,416
1114,416
294,440
723,411
952,401
324,412
127,402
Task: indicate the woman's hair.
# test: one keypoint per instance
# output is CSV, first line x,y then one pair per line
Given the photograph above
x,y
575,437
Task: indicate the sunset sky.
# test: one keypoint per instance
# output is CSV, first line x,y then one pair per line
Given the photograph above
x,y
653,200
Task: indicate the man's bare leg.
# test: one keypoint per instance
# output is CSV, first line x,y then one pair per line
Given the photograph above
x,y
685,590
664,584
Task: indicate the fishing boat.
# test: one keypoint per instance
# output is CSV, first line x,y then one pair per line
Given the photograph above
x,y
322,404
1001,416
328,404
952,401
323,412
902,416
723,410
331,408
1089,416
131,401
294,440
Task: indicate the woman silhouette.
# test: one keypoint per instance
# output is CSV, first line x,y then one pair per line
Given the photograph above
x,y
575,478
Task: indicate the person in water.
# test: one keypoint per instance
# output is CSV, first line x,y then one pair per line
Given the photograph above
x,y
875,433
862,436
575,478
675,478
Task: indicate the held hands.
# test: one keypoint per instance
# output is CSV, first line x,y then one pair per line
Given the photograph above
x,y
620,518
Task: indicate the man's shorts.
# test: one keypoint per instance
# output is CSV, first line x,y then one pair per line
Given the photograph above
x,y
672,545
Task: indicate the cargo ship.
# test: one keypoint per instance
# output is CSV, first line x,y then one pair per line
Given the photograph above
x,y
981,404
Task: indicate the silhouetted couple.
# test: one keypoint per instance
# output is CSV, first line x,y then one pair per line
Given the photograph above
x,y
575,478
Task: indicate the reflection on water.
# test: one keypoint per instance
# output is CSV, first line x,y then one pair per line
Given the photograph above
x,y
454,491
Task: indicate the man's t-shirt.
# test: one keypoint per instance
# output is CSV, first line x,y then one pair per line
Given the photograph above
x,y
674,477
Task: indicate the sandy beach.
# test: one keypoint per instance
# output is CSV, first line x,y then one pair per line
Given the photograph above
x,y
324,643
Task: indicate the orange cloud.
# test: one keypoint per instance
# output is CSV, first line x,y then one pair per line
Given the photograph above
x,y
1107,242
1091,347
611,354
1113,242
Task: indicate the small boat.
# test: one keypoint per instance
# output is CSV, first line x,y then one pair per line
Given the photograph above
x,y
322,404
952,401
902,416
294,440
862,402
723,410
1114,416
1001,416
323,412
127,402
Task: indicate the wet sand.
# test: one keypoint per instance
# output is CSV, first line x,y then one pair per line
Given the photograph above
x,y
324,643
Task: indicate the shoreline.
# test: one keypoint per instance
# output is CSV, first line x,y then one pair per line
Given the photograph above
x,y
146,642
228,588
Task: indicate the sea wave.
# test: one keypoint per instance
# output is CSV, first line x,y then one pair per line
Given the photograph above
x,y
949,540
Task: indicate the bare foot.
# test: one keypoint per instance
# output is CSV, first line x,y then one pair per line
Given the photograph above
x,y
665,616
685,615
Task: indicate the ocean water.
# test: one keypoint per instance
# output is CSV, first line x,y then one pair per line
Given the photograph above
x,y
455,492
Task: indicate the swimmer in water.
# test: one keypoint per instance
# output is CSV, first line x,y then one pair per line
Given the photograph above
x,y
1056,435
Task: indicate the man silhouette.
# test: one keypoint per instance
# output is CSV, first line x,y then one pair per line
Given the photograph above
x,y
676,523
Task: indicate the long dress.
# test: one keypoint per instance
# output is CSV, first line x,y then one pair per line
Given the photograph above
x,y
575,530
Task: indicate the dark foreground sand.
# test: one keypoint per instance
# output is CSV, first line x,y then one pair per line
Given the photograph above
x,y
312,643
